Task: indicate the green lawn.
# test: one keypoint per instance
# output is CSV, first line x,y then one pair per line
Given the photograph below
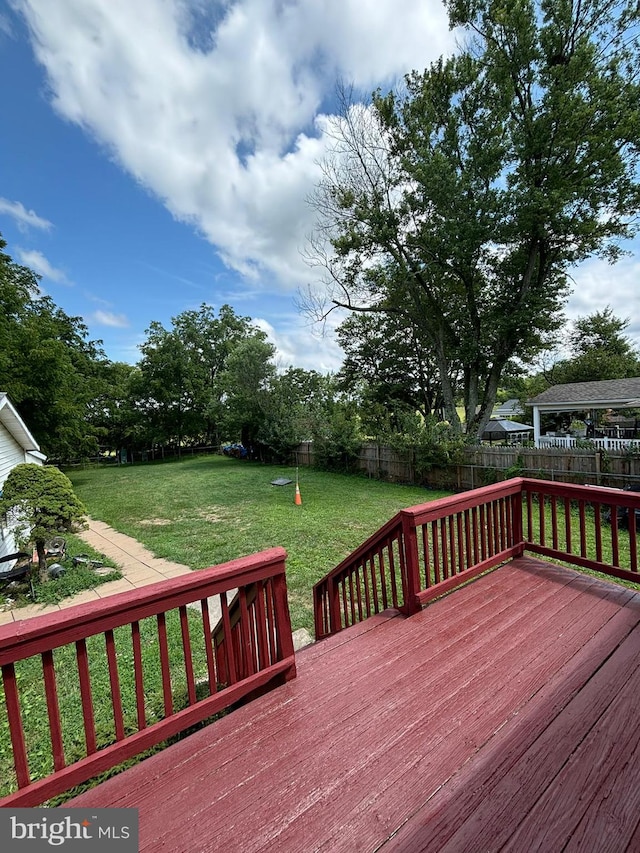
x,y
202,511
205,510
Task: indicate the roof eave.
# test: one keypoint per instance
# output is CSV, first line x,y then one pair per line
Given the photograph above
x,y
580,405
16,426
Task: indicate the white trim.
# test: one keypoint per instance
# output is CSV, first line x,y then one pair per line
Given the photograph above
x,y
601,443
16,426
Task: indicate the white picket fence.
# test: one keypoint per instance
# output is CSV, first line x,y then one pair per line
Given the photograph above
x,y
615,444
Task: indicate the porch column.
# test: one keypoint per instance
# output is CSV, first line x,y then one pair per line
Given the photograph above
x,y
536,426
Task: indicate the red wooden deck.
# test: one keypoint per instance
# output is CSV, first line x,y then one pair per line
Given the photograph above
x,y
502,717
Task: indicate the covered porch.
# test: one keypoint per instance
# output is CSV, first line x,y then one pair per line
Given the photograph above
x,y
586,398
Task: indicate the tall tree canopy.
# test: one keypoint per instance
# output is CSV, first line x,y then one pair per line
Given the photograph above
x,y
599,349
389,367
48,367
459,205
294,404
202,377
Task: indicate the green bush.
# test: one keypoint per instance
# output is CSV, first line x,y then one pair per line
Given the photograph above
x,y
337,441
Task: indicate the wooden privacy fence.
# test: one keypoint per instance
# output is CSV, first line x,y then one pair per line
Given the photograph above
x,y
115,648
427,550
483,464
586,465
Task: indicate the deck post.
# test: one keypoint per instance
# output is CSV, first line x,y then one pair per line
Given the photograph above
x,y
335,622
284,637
518,534
411,574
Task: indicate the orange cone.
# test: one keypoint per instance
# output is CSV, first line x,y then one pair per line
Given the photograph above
x,y
298,496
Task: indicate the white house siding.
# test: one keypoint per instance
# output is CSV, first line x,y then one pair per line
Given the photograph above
x,y
11,454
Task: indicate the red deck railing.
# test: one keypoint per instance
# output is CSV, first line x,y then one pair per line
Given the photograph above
x,y
595,528
426,550
121,642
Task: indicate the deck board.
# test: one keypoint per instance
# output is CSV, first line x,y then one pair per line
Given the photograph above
x,y
479,716
461,728
486,793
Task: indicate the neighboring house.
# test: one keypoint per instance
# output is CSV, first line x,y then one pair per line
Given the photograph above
x,y
510,409
16,445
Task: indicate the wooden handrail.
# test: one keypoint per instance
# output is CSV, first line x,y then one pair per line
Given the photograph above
x,y
41,636
442,544
593,527
417,545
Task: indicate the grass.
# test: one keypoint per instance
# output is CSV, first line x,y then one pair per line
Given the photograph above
x,y
624,550
206,510
201,512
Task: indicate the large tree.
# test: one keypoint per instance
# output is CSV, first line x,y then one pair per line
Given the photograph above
x,y
202,377
114,412
460,204
244,384
390,368
290,410
49,368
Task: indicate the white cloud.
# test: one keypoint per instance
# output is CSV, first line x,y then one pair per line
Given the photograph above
x,y
213,106
304,346
22,216
108,318
5,26
39,264
599,284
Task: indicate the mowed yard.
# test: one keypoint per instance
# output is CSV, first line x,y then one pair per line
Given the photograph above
x,y
205,510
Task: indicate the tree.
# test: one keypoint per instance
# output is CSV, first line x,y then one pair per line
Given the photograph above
x,y
209,341
186,377
47,365
289,411
117,421
389,368
599,350
167,387
40,502
245,379
594,349
460,204
335,428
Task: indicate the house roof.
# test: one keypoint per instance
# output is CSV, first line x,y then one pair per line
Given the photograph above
x,y
14,424
605,394
508,409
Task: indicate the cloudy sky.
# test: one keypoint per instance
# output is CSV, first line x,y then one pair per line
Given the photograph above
x,y
158,154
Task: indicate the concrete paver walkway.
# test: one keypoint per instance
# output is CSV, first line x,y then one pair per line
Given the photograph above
x,y
138,566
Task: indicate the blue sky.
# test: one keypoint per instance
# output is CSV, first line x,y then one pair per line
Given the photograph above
x,y
158,154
